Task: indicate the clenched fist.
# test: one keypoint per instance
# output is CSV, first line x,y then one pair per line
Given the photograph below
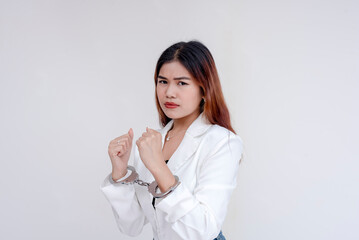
x,y
119,151
150,149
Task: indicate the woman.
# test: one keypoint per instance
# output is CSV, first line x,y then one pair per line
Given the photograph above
x,y
193,159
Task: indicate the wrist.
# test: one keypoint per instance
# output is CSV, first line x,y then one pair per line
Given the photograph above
x,y
152,188
158,168
117,174
164,178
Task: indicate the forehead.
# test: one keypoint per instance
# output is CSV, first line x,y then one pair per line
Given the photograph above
x,y
174,69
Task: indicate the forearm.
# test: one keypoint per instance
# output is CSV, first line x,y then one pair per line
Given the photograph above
x,y
119,170
163,176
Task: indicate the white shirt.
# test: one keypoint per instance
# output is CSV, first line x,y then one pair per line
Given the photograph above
x,y
206,162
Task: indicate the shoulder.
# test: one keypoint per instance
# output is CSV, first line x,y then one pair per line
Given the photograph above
x,y
220,133
219,138
220,144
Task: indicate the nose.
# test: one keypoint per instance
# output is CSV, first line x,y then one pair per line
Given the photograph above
x,y
170,91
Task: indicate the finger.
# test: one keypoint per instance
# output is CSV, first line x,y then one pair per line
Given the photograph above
x,y
118,146
126,136
120,149
125,142
130,133
146,134
121,140
116,142
139,141
117,151
150,130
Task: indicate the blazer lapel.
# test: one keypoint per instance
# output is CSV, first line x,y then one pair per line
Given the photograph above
x,y
189,143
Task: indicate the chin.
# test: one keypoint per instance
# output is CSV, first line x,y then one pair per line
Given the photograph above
x,y
173,115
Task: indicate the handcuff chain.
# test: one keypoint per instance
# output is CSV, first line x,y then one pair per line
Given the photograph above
x,y
142,183
152,187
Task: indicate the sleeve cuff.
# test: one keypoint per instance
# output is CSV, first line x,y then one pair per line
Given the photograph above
x,y
177,204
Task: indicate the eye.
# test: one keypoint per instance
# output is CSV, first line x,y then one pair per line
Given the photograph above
x,y
162,81
182,83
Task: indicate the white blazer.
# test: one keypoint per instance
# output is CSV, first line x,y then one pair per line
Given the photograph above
x,y
206,162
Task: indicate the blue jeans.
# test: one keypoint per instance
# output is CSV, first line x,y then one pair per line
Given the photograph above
x,y
220,236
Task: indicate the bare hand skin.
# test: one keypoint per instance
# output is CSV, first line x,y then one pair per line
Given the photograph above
x,y
119,151
150,150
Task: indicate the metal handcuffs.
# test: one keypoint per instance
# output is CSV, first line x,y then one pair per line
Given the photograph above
x,y
152,187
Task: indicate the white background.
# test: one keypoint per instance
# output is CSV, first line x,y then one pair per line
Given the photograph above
x,y
76,74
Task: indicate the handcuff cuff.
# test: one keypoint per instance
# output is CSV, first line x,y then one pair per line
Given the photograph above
x,y
152,187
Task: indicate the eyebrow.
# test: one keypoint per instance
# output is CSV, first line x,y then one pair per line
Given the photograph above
x,y
177,78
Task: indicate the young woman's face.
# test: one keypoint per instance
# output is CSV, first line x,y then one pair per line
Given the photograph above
x,y
178,93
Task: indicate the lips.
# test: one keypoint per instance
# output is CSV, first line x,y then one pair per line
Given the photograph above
x,y
170,105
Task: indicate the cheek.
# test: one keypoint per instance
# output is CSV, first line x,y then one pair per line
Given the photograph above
x,y
195,95
159,92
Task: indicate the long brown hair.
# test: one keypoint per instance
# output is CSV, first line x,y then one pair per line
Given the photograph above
x,y
198,61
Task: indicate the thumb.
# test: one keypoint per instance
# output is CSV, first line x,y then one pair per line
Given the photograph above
x,y
130,132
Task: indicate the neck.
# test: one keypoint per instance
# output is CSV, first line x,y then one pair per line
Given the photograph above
x,y
184,123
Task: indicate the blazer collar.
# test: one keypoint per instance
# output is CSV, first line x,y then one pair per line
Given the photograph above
x,y
189,143
183,153
197,127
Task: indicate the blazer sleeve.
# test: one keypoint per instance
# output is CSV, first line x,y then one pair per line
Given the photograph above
x,y
128,213
201,213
